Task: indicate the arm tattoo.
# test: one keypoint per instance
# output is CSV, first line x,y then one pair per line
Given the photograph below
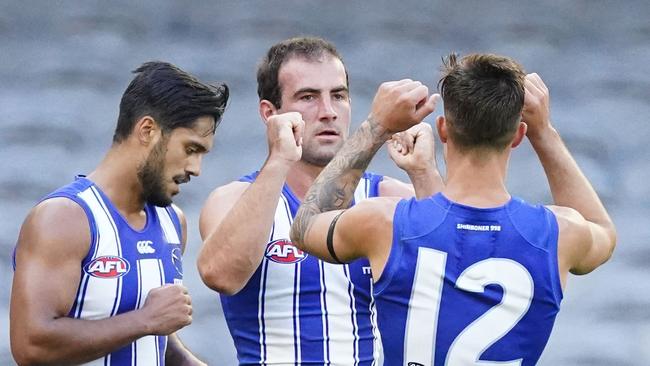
x,y
334,187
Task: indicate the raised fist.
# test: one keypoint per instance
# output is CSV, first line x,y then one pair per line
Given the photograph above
x,y
398,105
536,112
284,134
413,150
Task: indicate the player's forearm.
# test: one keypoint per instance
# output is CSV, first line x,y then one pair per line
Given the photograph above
x,y
233,251
568,184
178,355
74,341
334,187
426,183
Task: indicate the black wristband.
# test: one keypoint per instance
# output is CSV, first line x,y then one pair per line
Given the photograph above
x,y
330,238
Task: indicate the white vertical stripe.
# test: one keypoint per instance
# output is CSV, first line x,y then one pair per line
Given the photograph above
x,y
355,323
360,191
98,290
157,350
419,341
339,315
378,350
167,226
149,277
118,248
278,306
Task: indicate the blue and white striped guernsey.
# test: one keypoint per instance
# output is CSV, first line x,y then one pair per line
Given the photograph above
x,y
299,310
122,265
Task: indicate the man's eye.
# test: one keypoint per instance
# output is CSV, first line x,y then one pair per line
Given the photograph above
x,y
307,97
339,97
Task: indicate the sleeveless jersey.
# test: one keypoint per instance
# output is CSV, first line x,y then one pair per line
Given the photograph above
x,y
468,286
299,310
122,265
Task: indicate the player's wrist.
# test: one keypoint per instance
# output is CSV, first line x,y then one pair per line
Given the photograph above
x,y
278,163
378,128
420,171
541,134
142,322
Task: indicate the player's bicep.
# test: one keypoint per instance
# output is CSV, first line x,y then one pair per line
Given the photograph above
x,y
51,246
322,226
217,206
361,231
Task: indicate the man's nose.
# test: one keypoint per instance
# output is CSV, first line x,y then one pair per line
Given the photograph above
x,y
194,165
326,111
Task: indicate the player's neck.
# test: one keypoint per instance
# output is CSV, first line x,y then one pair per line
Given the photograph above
x,y
301,176
477,181
116,175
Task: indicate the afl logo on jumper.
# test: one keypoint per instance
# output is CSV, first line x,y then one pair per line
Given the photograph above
x,y
108,267
282,251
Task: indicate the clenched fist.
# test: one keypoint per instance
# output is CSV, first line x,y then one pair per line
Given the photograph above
x,y
536,112
167,309
398,105
284,135
413,150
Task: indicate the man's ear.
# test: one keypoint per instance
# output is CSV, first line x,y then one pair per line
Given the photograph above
x,y
519,134
267,109
146,130
441,126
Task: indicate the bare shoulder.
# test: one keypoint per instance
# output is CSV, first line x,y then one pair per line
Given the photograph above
x,y
392,187
227,192
218,204
56,227
568,219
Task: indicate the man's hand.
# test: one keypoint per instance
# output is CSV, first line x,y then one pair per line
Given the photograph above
x,y
536,111
413,150
398,105
168,308
284,135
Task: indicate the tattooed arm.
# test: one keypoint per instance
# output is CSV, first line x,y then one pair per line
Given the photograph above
x,y
396,107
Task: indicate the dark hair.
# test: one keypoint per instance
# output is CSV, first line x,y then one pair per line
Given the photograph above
x,y
171,96
483,97
310,48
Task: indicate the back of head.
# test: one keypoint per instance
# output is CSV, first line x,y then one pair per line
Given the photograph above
x,y
483,98
309,48
171,96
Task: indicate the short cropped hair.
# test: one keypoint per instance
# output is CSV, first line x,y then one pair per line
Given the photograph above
x,y
483,97
171,96
309,48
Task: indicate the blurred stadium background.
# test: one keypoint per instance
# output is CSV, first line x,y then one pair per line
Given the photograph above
x,y
64,65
